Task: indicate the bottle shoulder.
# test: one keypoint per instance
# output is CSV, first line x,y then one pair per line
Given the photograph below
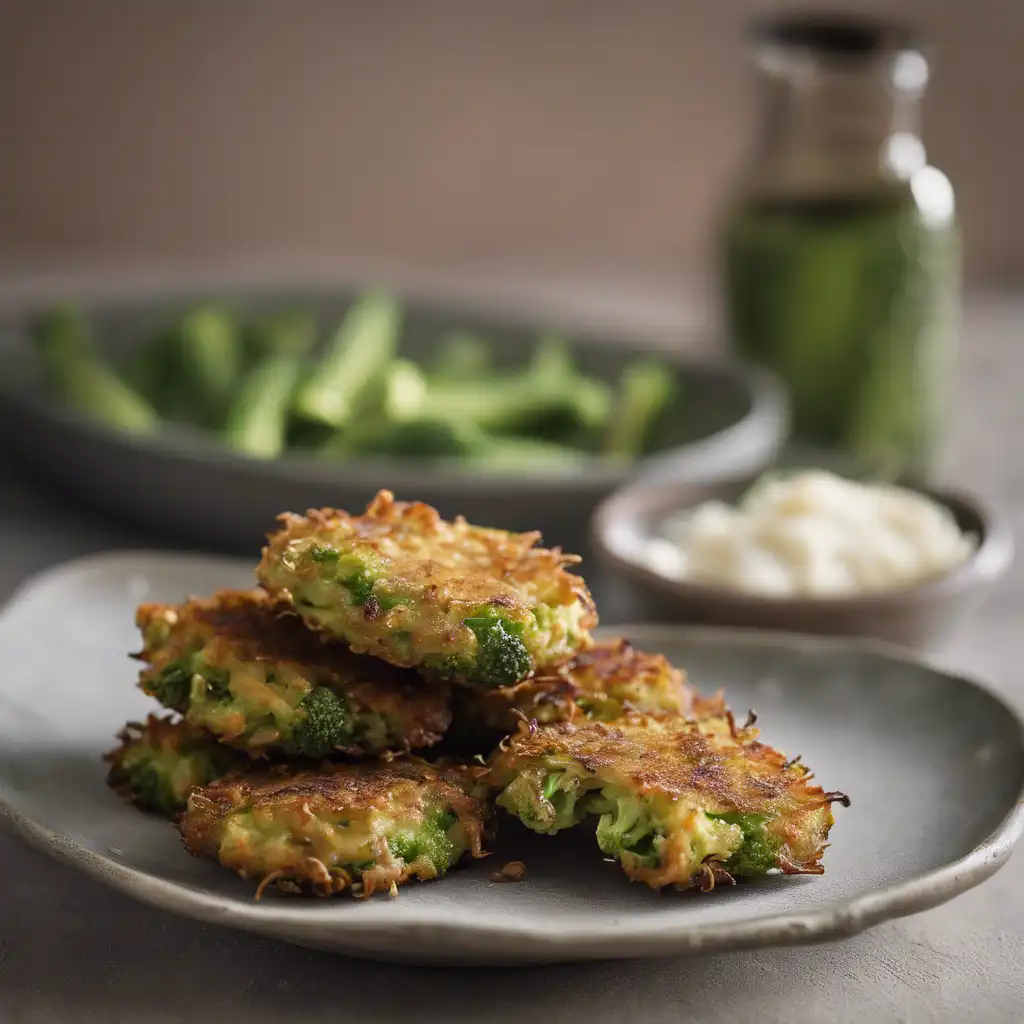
x,y
927,194
934,196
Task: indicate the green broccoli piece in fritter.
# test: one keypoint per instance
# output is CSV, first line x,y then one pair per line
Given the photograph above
x,y
173,685
160,761
758,852
158,782
431,841
562,792
324,554
357,574
502,658
217,682
551,785
150,788
360,586
326,726
626,827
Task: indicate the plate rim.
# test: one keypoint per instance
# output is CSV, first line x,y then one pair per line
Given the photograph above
x,y
469,941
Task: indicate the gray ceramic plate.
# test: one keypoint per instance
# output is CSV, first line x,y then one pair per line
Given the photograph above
x,y
933,763
729,420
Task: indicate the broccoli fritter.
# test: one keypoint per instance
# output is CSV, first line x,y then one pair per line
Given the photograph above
x,y
478,606
679,803
244,667
364,826
603,682
160,760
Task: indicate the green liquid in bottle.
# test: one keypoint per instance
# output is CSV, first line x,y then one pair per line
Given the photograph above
x,y
853,303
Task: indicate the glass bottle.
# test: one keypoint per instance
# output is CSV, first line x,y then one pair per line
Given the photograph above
x,y
839,252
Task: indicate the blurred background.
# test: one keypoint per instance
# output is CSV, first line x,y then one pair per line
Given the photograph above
x,y
511,259
579,139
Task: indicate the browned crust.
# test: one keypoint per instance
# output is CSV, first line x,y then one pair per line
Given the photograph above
x,y
723,765
362,785
162,732
236,626
704,707
672,758
334,790
613,671
503,565
616,667
166,734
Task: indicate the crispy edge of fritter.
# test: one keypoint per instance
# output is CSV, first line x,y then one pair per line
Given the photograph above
x,y
505,563
254,626
359,787
599,672
640,753
606,670
164,732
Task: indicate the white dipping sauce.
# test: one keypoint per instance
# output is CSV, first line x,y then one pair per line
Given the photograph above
x,y
812,534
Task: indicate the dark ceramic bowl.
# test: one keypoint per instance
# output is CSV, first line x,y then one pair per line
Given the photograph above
x,y
922,616
730,419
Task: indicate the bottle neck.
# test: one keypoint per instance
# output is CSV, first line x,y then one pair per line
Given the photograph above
x,y
831,131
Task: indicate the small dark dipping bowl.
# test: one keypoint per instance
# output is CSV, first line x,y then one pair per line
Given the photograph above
x,y
923,615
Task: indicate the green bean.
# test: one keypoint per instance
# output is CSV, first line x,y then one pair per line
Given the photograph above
x,y
517,403
463,356
211,360
396,393
258,418
525,454
86,381
423,437
287,332
645,391
551,359
364,343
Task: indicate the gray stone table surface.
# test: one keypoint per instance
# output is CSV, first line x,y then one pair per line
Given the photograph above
x,y
71,950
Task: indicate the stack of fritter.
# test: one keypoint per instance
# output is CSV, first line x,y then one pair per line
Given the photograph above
x,y
348,724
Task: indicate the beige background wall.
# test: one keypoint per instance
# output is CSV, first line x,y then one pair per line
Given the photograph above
x,y
569,135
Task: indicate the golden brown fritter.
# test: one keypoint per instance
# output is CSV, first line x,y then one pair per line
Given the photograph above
x,y
680,803
159,761
603,682
479,606
243,666
369,825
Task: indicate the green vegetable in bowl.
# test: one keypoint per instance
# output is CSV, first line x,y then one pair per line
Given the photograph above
x,y
463,356
153,372
257,420
210,359
288,332
441,439
80,376
397,393
645,391
551,359
422,437
363,345
517,402
257,386
523,454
